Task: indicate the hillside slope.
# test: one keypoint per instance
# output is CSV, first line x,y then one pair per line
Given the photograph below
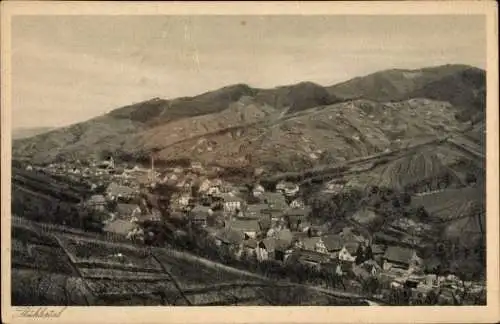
x,y
19,133
461,85
306,123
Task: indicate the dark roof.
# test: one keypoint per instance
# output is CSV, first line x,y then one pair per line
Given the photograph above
x,y
255,212
245,225
116,189
125,209
274,200
333,242
269,243
301,212
310,242
251,243
200,209
360,272
378,249
285,235
230,236
282,245
312,256
265,223
399,254
364,216
352,247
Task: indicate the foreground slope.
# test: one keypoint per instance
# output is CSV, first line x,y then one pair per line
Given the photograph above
x,y
91,271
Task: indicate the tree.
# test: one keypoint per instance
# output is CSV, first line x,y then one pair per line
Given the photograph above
x,y
360,257
368,253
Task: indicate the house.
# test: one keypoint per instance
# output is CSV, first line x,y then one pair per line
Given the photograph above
x,y
97,203
108,164
266,248
196,166
360,273
183,200
258,190
372,267
127,211
250,246
331,244
199,215
230,202
272,248
275,201
307,243
297,203
254,211
348,252
265,224
229,237
364,216
284,235
291,190
312,258
400,257
295,216
119,227
378,251
249,227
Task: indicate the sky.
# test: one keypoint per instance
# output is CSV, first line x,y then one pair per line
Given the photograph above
x,y
67,69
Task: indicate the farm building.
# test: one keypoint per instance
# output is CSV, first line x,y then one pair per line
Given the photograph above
x,y
400,257
249,227
254,211
295,217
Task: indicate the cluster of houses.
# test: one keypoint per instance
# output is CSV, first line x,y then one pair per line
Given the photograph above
x,y
250,222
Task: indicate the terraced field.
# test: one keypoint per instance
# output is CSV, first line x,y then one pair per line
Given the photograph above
x,y
53,267
451,203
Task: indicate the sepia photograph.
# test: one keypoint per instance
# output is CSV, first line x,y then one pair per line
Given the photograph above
x,y
175,158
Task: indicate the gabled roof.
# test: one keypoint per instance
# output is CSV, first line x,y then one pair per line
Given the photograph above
x,y
96,200
360,272
245,225
399,254
364,216
274,200
255,208
230,236
310,242
333,242
351,247
298,212
119,226
200,209
285,235
265,223
251,243
378,248
312,256
269,243
125,209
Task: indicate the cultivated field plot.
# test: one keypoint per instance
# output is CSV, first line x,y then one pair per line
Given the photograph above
x,y
32,287
125,287
192,274
30,252
117,274
450,203
24,233
100,253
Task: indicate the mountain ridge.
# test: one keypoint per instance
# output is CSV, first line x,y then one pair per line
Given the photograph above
x,y
226,123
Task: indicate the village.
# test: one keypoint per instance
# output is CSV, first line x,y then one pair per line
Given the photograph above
x,y
251,223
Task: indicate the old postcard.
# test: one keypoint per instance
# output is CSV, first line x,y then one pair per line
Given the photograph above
x,y
250,162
